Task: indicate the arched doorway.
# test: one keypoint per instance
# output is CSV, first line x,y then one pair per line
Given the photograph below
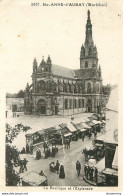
x,y
89,105
41,107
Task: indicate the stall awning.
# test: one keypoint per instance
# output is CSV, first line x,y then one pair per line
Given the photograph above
x,y
91,124
82,130
67,134
50,130
78,126
33,178
95,122
71,127
63,125
99,122
41,132
85,126
99,145
109,171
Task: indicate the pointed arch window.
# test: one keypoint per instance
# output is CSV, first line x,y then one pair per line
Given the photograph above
x,y
86,64
89,88
41,86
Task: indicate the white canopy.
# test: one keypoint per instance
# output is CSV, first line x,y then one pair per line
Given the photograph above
x,y
99,122
67,134
86,126
82,130
92,162
71,127
95,122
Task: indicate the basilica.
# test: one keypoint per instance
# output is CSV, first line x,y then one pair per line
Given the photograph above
x,y
56,90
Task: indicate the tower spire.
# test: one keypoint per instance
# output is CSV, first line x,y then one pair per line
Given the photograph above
x,y
88,38
88,14
88,51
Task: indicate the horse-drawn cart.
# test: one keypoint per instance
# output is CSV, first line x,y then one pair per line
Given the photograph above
x,y
96,152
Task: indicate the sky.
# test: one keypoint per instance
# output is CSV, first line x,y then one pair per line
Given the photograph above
x,y
35,31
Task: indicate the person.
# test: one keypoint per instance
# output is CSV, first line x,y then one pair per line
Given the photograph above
x,y
95,134
44,145
21,166
96,172
23,151
68,143
57,166
53,151
89,134
41,173
53,142
48,152
6,113
27,148
52,166
38,154
62,173
76,137
91,173
83,136
25,163
65,142
85,170
31,148
78,167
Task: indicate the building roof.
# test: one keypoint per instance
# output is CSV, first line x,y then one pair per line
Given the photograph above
x,y
62,71
33,178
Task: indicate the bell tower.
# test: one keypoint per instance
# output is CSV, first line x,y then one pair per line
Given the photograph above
x,y
88,53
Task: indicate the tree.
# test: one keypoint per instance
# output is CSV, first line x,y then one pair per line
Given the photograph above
x,y
20,94
12,156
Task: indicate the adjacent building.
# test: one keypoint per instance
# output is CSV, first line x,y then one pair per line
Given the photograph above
x,y
56,90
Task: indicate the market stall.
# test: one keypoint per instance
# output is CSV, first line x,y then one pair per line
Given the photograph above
x,y
34,179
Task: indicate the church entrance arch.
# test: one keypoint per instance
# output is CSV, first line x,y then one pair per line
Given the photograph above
x,y
41,106
89,105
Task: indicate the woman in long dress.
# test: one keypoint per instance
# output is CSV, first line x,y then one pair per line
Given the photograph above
x,y
62,173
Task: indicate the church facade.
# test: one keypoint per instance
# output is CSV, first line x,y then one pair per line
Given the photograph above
x,y
56,90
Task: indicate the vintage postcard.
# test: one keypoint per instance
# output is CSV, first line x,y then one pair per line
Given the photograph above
x,y
60,95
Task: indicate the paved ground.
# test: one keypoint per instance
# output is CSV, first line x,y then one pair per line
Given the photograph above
x,y
37,123
67,157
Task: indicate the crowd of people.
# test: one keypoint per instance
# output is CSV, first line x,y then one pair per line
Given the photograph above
x,y
91,173
48,151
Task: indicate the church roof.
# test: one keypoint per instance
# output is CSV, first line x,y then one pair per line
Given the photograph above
x,y
62,71
83,73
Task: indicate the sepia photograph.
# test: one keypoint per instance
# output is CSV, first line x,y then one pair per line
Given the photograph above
x,y
62,94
